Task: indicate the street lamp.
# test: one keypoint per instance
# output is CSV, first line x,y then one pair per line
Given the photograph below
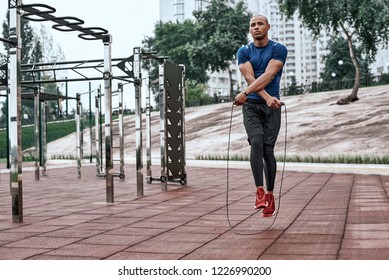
x,y
333,75
340,63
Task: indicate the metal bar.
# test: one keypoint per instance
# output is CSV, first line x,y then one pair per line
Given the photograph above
x,y
108,121
138,121
162,111
148,134
97,134
67,94
42,12
121,131
8,144
48,81
183,98
12,43
58,114
32,70
77,64
101,130
90,123
14,116
44,137
78,135
36,132
36,71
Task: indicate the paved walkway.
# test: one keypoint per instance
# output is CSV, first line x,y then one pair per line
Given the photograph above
x,y
322,216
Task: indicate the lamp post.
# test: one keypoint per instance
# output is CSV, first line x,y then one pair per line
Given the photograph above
x,y
333,75
340,63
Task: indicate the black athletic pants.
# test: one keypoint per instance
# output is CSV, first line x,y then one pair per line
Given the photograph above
x,y
262,127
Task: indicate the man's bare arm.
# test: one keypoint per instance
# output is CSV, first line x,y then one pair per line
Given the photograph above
x,y
247,71
258,85
262,81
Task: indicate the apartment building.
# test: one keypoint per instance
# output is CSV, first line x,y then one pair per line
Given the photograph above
x,y
381,63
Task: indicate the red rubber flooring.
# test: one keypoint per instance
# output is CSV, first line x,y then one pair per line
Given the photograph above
x,y
322,216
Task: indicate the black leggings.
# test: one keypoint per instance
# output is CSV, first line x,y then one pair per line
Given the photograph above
x,y
262,160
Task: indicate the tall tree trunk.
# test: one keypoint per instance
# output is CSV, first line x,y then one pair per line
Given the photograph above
x,y
357,81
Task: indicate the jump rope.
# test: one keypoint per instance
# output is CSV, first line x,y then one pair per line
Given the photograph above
x,y
228,176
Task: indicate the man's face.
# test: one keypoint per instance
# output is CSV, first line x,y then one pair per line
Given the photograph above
x,y
259,27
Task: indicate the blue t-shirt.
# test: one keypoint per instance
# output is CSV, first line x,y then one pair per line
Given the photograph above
x,y
259,58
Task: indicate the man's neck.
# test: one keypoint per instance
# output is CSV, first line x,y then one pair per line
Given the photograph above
x,y
261,43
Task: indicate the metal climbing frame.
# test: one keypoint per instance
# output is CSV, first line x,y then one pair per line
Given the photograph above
x,y
172,113
173,164
41,12
40,126
172,124
119,132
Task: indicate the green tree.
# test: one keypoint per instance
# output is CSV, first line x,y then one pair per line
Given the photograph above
x,y
196,94
222,30
337,62
293,88
365,22
383,79
339,66
27,34
175,41
210,42
37,46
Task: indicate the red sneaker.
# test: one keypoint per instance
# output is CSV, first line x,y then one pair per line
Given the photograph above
x,y
270,208
260,200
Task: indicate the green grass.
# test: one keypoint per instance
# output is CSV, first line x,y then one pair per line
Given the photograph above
x,y
55,131
346,159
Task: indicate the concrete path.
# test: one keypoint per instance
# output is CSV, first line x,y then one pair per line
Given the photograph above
x,y
322,215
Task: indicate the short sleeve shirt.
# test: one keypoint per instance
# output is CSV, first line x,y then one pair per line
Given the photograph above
x,y
259,58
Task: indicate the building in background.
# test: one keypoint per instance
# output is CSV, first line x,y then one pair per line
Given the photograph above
x,y
381,64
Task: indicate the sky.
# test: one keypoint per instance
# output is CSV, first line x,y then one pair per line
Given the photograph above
x,y
128,21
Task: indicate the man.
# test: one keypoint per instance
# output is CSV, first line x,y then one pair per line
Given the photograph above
x,y
261,63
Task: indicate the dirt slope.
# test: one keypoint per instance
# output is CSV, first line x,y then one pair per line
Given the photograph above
x,y
314,126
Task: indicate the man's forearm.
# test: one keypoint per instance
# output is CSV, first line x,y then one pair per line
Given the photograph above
x,y
250,79
260,83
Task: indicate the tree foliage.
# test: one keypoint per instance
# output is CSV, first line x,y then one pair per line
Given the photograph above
x,y
175,40
222,30
209,42
365,22
197,96
37,46
27,34
338,60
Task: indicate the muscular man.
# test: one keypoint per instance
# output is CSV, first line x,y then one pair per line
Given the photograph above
x,y
261,63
